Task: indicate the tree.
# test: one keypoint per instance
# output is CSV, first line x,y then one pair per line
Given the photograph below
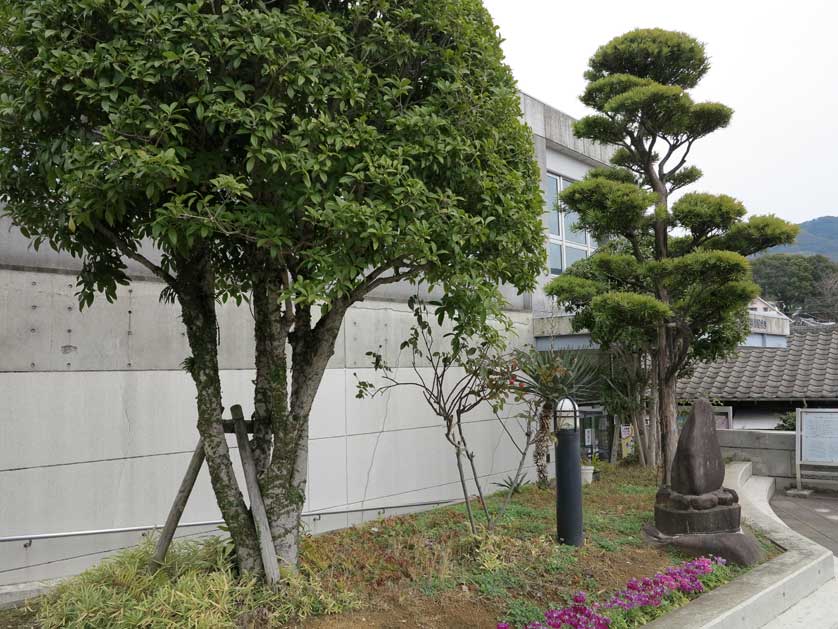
x,y
793,280
628,393
680,284
306,153
464,370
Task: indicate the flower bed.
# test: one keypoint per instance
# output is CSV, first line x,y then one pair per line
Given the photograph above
x,y
641,600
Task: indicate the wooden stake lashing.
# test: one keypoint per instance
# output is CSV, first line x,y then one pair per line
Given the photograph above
x,y
167,533
257,506
182,496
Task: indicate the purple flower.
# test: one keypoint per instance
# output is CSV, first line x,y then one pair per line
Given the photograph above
x,y
647,592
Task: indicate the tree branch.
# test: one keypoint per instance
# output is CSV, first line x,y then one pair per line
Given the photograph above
x,y
128,252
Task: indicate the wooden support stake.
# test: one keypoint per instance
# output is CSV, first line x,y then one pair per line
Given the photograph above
x,y
186,485
257,507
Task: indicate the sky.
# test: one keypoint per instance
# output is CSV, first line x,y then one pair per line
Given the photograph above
x,y
775,63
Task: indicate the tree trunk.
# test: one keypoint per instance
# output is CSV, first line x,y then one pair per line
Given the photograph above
x,y
270,399
666,405
642,444
470,457
284,485
654,425
542,444
458,449
196,293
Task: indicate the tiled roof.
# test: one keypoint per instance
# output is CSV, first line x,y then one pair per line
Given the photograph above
x,y
805,370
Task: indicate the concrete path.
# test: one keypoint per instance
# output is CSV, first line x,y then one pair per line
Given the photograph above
x,y
815,517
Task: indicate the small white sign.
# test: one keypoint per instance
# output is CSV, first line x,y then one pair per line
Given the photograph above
x,y
589,436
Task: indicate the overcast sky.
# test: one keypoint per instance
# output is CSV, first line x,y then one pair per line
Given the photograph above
x,y
775,63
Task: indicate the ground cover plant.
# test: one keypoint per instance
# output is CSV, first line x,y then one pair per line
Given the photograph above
x,y
423,570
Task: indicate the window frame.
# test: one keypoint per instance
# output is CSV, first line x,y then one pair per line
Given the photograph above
x,y
560,239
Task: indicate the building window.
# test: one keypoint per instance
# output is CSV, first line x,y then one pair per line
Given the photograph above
x,y
554,258
552,198
573,235
565,245
574,254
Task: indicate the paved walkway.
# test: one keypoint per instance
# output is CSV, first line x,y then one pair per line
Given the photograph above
x,y
815,517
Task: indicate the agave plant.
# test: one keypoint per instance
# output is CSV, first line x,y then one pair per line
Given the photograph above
x,y
550,376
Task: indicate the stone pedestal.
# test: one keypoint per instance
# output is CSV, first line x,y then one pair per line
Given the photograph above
x,y
671,521
696,513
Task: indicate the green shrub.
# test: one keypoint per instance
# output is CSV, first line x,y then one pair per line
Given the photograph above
x,y
196,588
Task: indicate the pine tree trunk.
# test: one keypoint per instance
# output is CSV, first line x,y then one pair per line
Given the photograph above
x,y
666,404
196,293
654,424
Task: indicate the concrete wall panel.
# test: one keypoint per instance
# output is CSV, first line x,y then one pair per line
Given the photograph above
x,y
52,418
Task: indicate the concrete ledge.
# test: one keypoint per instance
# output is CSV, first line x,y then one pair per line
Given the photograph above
x,y
759,596
18,594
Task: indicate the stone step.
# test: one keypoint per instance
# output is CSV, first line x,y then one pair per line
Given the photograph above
x,y
819,610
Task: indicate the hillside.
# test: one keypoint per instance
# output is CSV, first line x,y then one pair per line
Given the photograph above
x,y
820,235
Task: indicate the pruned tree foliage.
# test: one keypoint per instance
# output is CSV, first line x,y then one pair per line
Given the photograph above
x,y
305,153
675,280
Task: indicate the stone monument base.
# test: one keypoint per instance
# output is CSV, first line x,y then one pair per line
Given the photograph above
x,y
738,547
720,519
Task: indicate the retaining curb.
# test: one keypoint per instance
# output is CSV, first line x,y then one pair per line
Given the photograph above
x,y
759,596
17,594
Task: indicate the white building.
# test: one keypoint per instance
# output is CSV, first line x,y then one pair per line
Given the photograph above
x,y
98,419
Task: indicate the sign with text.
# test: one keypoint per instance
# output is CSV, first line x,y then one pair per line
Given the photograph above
x,y
817,438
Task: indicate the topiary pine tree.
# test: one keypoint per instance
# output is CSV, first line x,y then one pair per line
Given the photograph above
x,y
674,280
308,152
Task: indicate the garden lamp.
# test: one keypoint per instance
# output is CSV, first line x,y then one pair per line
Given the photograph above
x,y
568,473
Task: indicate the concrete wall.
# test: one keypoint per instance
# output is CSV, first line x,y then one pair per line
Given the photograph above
x,y
770,451
97,421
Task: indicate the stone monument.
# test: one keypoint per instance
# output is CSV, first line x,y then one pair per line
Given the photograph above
x,y
697,514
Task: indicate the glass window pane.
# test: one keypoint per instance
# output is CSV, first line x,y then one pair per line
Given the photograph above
x,y
571,234
551,197
554,258
566,182
573,254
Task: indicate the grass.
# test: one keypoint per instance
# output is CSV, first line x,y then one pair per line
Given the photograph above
x,y
423,570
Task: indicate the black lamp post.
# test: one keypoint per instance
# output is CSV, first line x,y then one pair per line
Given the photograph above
x,y
568,473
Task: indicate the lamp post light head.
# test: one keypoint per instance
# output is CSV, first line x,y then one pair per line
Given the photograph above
x,y
567,415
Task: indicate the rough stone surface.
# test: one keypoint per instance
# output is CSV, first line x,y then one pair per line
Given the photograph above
x,y
673,521
698,467
737,546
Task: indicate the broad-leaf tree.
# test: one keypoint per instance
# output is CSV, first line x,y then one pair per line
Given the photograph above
x,y
798,282
304,153
679,285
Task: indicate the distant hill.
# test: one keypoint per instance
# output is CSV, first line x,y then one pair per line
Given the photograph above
x,y
820,235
